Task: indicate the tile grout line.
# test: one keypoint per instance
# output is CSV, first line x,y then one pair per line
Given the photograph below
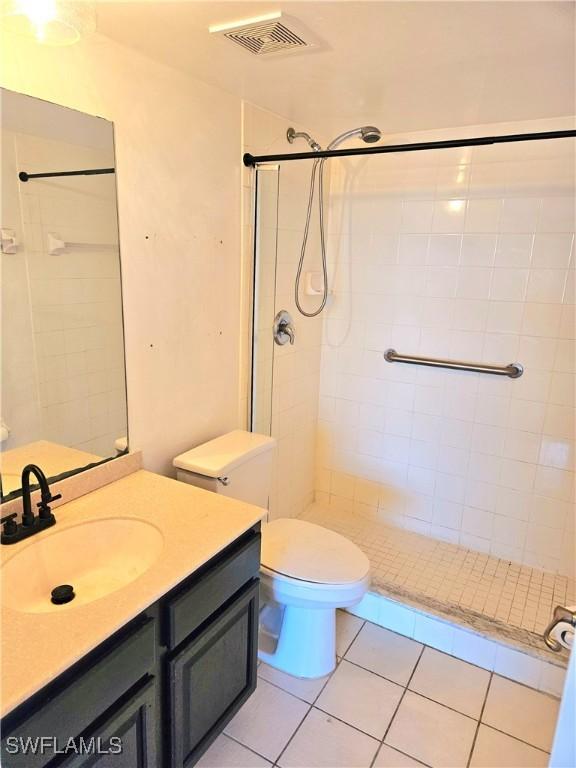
x,y
344,722
498,730
285,747
417,693
311,705
509,735
479,721
397,708
310,708
351,643
250,749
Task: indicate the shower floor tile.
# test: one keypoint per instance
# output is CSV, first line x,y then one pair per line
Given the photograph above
x,y
435,575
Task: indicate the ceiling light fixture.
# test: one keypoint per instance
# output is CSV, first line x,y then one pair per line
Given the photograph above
x,y
51,22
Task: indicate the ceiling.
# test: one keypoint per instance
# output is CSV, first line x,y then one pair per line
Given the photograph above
x,y
404,66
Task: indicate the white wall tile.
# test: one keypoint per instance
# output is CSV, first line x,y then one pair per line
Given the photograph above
x,y
437,634
483,215
518,666
464,456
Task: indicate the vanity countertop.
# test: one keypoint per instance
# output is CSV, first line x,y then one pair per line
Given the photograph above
x,y
54,459
195,524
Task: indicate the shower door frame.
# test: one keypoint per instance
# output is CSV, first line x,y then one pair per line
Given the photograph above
x,y
255,289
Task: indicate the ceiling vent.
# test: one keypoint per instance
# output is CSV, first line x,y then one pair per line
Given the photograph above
x,y
268,35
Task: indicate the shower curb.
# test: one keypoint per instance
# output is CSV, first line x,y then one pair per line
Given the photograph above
x,y
462,636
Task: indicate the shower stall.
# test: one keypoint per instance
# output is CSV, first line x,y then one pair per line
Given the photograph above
x,y
427,412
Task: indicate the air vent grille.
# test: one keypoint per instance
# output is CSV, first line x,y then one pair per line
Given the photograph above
x,y
263,39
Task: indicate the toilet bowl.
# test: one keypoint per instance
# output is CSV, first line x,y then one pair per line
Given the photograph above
x,y
307,571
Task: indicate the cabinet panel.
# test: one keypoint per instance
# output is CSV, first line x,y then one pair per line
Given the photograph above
x,y
212,676
187,610
128,734
67,712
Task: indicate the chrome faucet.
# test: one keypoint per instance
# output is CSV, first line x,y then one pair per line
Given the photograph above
x,y
12,531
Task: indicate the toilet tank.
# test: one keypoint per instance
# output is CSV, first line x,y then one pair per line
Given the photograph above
x,y
238,464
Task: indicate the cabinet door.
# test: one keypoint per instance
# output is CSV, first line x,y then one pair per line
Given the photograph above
x,y
65,709
124,739
212,676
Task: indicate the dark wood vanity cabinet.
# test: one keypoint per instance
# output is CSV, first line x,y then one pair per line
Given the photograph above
x,y
157,693
131,727
211,677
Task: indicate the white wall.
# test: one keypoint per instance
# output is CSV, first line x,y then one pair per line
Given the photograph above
x,y
464,254
178,163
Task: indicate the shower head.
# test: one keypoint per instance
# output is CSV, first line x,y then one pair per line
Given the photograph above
x,y
292,134
368,133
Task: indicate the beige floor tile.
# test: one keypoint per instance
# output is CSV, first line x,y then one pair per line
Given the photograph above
x,y
324,742
361,699
431,733
391,758
347,627
496,750
451,682
227,753
385,653
267,720
521,712
303,688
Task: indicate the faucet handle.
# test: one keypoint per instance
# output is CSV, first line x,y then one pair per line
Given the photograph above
x,y
43,505
9,524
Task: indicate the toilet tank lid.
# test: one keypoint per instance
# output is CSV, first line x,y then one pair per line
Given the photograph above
x,y
223,454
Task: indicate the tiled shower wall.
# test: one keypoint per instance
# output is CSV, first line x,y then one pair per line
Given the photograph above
x,y
466,254
69,308
287,377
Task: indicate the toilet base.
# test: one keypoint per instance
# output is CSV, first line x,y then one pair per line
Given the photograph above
x,y
306,645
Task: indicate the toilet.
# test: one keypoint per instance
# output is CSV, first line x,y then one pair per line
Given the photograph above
x,y
306,571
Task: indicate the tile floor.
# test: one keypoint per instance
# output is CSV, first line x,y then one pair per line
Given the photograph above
x,y
496,589
390,703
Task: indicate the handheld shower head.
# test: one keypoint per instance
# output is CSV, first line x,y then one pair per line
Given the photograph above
x,y
368,133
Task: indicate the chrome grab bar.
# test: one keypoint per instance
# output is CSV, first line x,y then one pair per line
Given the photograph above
x,y
514,370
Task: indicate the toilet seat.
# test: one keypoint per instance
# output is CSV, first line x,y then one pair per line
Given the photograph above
x,y
295,550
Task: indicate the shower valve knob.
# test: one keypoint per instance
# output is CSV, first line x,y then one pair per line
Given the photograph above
x,y
284,328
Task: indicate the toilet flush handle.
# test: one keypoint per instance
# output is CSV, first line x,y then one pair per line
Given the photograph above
x,y
224,480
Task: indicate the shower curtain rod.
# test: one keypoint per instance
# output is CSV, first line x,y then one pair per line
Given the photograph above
x,y
23,176
252,160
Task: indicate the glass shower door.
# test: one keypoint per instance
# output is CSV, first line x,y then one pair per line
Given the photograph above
x,y
264,293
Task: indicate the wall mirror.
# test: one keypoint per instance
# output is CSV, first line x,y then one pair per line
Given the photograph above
x,y
63,395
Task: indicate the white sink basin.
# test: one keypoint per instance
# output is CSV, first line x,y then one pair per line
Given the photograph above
x,y
96,558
